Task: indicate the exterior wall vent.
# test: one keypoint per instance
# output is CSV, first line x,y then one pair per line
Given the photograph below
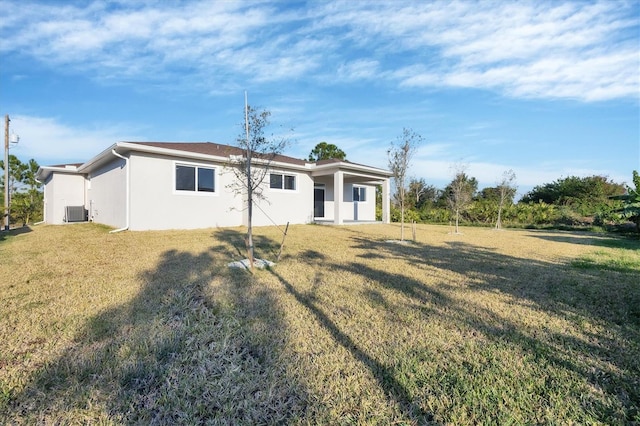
x,y
75,214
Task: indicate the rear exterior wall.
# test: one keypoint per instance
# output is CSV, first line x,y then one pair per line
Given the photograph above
x,y
61,190
156,205
106,194
280,206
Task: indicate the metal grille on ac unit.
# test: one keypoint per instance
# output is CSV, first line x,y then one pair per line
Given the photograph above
x,y
75,214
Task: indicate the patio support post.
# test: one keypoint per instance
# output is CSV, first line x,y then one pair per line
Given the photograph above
x,y
338,189
386,201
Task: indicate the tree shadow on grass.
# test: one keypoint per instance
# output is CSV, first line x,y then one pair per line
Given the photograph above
x,y
176,353
554,287
202,344
264,247
559,290
598,240
395,391
5,235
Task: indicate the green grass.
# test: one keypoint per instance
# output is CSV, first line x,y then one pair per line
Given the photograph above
x,y
618,260
622,255
511,327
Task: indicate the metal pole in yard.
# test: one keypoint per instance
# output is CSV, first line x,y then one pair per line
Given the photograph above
x,y
282,245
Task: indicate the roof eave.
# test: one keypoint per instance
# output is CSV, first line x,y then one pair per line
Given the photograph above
x,y
98,159
44,171
352,166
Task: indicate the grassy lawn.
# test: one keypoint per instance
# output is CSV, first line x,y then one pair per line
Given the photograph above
x,y
491,327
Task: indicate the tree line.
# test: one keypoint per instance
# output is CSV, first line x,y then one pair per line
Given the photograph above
x,y
26,198
567,202
590,200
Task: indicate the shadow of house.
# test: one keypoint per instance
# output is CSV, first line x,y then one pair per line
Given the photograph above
x,y
176,353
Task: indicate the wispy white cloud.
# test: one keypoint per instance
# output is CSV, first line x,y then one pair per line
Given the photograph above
x,y
47,137
159,36
362,69
580,50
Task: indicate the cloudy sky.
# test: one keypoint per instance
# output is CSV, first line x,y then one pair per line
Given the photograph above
x,y
548,89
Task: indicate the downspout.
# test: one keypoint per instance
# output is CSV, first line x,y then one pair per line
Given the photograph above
x,y
126,164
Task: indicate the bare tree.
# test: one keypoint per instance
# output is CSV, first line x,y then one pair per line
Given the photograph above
x,y
400,154
253,166
417,188
460,192
506,190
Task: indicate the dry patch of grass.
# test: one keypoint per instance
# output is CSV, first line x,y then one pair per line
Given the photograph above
x,y
485,327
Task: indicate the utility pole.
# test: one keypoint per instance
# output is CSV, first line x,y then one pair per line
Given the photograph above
x,y
6,172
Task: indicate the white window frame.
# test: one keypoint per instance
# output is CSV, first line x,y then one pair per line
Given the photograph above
x,y
284,175
361,189
195,192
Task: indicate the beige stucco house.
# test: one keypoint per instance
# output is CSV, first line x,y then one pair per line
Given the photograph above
x,y
168,185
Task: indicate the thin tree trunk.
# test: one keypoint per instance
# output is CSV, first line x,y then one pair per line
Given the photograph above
x,y
249,187
250,227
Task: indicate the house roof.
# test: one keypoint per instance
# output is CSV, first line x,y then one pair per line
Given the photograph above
x,y
215,149
207,151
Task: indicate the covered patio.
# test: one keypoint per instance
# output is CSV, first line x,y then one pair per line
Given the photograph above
x,y
345,193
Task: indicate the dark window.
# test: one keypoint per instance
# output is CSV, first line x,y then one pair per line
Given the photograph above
x,y
359,193
205,180
185,178
192,178
275,181
289,182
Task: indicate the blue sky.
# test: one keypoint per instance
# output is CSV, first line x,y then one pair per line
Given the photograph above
x,y
548,89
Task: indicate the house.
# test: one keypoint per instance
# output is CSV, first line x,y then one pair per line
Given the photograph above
x,y
167,185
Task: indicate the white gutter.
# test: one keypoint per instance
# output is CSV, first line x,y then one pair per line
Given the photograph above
x,y
126,164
